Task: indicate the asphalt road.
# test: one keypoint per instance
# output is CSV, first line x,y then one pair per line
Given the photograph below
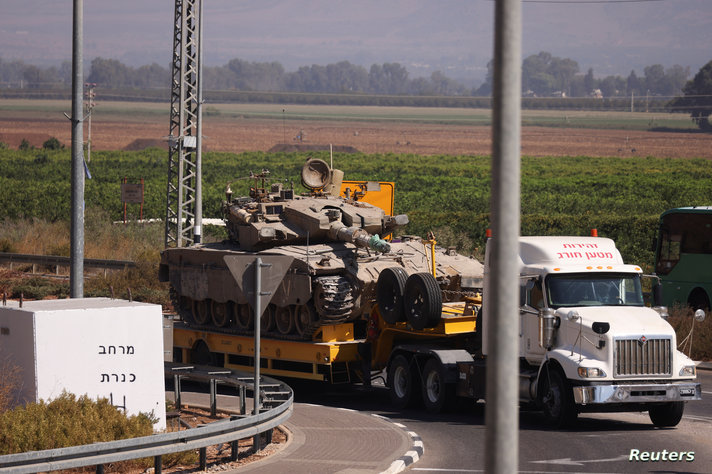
x,y
599,443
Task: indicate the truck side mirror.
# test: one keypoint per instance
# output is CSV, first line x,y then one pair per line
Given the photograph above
x,y
658,294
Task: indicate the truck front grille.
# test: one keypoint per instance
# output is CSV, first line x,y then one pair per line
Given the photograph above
x,y
643,356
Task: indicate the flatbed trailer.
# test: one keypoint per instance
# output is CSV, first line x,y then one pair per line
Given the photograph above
x,y
336,354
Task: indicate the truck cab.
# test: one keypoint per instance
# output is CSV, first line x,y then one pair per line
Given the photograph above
x,y
587,340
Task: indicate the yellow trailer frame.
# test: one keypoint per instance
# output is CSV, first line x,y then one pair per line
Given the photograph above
x,y
327,356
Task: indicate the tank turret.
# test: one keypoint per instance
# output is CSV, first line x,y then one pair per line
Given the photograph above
x,y
268,219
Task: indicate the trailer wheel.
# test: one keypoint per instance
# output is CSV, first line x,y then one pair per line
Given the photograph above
x,y
403,382
220,313
423,301
437,395
557,399
667,414
389,294
283,319
244,316
201,312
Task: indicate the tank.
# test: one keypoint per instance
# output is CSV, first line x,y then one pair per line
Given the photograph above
x,y
342,262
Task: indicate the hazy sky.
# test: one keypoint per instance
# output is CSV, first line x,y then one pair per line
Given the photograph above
x,y
453,36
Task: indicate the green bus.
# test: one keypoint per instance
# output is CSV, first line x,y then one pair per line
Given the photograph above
x,y
683,256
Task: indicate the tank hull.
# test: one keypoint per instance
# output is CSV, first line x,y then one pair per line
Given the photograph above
x,y
326,283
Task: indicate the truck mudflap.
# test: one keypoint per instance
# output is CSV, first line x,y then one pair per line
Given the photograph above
x,y
643,393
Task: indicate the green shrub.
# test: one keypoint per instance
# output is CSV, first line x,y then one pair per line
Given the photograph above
x,y
52,143
38,288
24,145
67,421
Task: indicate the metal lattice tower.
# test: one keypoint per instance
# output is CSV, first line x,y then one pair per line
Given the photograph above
x,y
183,196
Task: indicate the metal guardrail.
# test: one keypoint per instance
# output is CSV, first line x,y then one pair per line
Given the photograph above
x,y
224,431
59,261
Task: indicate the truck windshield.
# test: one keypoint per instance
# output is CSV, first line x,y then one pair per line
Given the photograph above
x,y
594,289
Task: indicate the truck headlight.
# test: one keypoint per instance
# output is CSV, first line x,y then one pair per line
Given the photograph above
x,y
590,372
688,370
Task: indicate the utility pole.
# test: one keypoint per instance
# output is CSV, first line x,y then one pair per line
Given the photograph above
x,y
76,264
89,107
183,224
502,409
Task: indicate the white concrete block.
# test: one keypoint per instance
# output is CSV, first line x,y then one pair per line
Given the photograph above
x,y
97,346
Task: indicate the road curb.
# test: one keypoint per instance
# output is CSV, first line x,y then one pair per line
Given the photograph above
x,y
411,456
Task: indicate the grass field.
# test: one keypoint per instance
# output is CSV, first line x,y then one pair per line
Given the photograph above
x,y
131,111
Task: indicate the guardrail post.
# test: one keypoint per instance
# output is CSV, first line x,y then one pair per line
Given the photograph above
x,y
176,390
99,469
213,397
157,464
234,450
243,403
203,458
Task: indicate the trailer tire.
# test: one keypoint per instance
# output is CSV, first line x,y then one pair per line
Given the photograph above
x,y
667,414
389,294
423,301
557,399
438,395
403,383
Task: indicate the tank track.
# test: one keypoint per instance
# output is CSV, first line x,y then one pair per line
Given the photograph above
x,y
186,316
333,298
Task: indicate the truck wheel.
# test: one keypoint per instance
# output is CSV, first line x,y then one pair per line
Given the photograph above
x,y
403,382
556,399
667,414
389,294
220,313
698,300
201,312
283,319
437,395
423,301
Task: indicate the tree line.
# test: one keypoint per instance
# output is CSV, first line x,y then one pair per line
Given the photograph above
x,y
543,75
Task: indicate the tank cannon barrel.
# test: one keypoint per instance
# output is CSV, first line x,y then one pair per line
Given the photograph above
x,y
358,237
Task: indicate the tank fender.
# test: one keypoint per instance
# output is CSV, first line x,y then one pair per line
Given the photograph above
x,y
449,358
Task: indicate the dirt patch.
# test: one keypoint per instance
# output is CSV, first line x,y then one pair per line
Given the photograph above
x,y
235,134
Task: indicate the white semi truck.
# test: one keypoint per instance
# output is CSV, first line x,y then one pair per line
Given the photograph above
x,y
587,341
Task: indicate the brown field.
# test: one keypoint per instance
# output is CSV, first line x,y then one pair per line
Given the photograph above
x,y
238,133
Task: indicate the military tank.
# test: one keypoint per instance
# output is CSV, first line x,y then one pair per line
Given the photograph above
x,y
341,263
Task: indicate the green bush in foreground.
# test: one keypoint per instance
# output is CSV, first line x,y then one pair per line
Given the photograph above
x,y
67,421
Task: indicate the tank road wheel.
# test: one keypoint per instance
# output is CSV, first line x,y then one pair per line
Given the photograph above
x,y
267,319
437,395
304,317
389,294
201,312
403,382
667,414
556,399
220,313
423,301
283,319
244,316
